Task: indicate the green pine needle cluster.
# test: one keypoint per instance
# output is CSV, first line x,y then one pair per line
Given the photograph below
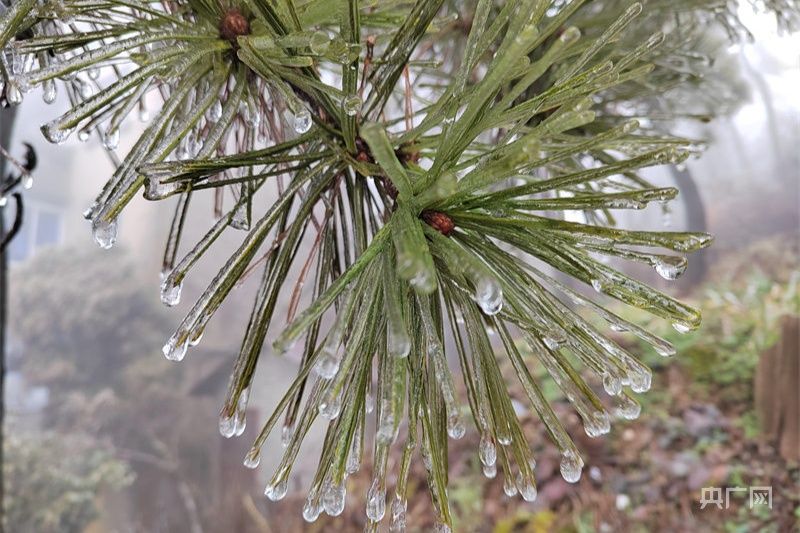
x,y
402,170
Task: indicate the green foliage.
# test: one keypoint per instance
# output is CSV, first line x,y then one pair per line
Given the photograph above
x,y
54,481
428,190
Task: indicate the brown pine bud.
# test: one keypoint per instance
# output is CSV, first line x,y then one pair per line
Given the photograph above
x,y
389,187
439,221
233,25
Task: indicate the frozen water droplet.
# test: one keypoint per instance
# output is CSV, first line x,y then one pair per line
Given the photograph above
x,y
27,183
3,201
49,91
487,451
597,424
277,491
111,139
93,73
455,427
286,434
398,343
640,377
526,488
398,524
174,351
369,403
13,92
509,487
490,471
319,42
311,510
627,407
195,339
83,135
330,407
170,292
670,267
302,121
351,104
376,502
214,112
571,466
598,285
333,499
54,133
328,364
227,425
104,233
489,295
612,384
682,328
253,458
441,527
144,114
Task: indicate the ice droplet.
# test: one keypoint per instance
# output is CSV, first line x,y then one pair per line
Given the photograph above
x,y
490,471
487,451
329,407
111,139
611,384
509,487
526,488
670,267
311,510
27,184
104,233
351,104
641,378
376,502
214,112
286,434
681,328
455,427
398,524
174,351
328,364
333,499
170,292
598,285
49,91
597,424
319,42
13,92
441,527
302,121
489,295
83,135
398,343
627,407
54,133
277,491
227,425
571,466
253,458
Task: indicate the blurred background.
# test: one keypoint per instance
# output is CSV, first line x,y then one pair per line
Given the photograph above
x,y
104,435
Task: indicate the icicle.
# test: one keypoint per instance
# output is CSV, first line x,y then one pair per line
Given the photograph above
x,y
104,233
571,466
